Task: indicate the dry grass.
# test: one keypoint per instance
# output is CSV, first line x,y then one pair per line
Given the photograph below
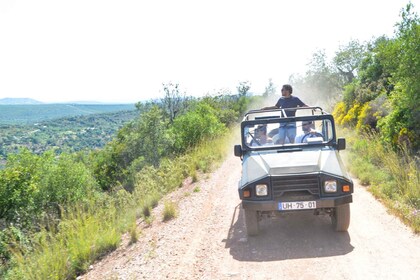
x,y
393,175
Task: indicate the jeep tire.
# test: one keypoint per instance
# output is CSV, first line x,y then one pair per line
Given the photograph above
x,y
251,222
341,217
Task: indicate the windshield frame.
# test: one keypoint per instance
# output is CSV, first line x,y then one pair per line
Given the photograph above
x,y
276,120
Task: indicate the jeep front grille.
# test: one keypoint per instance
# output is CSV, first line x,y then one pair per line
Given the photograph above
x,y
295,184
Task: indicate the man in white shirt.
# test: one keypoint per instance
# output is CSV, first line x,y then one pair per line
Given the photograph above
x,y
308,132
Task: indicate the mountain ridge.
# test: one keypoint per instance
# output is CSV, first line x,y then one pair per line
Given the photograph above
x,y
19,101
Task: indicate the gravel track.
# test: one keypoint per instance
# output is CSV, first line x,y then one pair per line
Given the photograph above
x,y
208,241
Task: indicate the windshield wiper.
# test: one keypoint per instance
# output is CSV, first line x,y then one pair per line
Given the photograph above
x,y
289,150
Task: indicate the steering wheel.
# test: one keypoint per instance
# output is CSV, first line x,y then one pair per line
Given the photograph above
x,y
311,135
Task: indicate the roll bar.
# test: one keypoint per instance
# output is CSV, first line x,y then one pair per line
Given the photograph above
x,y
281,112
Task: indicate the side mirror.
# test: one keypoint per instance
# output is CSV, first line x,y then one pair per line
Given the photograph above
x,y
238,150
341,144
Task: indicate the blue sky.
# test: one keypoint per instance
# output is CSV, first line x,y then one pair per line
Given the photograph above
x,y
122,51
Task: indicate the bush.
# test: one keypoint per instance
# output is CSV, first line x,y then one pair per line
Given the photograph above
x,y
339,112
365,120
350,119
65,181
195,126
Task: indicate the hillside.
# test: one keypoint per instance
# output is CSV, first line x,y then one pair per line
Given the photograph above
x,y
66,134
31,114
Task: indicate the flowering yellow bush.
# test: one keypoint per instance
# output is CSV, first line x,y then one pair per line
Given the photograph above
x,y
351,117
365,117
339,112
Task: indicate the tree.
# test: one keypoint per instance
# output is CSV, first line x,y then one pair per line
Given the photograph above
x,y
403,53
321,83
154,139
174,102
243,88
348,58
270,89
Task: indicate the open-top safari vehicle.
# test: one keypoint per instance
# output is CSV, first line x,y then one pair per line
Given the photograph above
x,y
292,164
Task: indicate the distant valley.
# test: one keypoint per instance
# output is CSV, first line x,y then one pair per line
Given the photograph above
x,y
30,113
62,127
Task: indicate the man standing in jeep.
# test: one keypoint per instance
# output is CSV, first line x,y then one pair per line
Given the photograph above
x,y
287,101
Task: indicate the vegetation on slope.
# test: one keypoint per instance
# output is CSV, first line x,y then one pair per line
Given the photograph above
x,y
60,213
374,91
71,134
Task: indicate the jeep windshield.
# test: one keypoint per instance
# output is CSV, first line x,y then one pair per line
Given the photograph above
x,y
275,129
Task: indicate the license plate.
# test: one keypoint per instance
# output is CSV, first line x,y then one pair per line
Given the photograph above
x,y
297,205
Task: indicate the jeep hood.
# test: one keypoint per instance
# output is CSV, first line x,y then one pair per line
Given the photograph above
x,y
261,164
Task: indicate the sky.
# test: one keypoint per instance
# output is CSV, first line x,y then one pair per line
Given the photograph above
x,y
123,51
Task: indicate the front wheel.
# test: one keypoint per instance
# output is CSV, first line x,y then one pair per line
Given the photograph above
x,y
251,222
341,217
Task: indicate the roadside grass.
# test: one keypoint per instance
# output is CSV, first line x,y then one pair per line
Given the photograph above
x,y
86,233
134,234
170,211
392,176
82,237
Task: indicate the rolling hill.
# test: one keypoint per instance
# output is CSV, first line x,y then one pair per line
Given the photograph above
x,y
18,101
18,114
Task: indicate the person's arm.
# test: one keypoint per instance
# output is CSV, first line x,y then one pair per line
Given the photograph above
x,y
301,103
269,107
277,106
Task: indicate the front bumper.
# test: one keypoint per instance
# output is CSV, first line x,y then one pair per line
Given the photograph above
x,y
328,202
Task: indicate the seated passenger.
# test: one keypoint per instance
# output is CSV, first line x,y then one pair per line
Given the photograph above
x,y
308,132
260,137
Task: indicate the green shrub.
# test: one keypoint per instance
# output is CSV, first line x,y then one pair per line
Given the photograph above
x,y
201,124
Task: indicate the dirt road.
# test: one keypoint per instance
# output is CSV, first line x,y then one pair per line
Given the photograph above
x,y
208,241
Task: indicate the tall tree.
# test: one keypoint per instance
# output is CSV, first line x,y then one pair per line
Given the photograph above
x,y
403,53
270,89
174,101
348,58
243,88
321,84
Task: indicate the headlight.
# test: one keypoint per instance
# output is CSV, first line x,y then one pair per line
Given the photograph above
x,y
330,186
261,190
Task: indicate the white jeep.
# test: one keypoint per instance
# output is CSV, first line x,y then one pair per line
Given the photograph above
x,y
292,164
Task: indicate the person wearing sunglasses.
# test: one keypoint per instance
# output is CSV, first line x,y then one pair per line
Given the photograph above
x,y
286,101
